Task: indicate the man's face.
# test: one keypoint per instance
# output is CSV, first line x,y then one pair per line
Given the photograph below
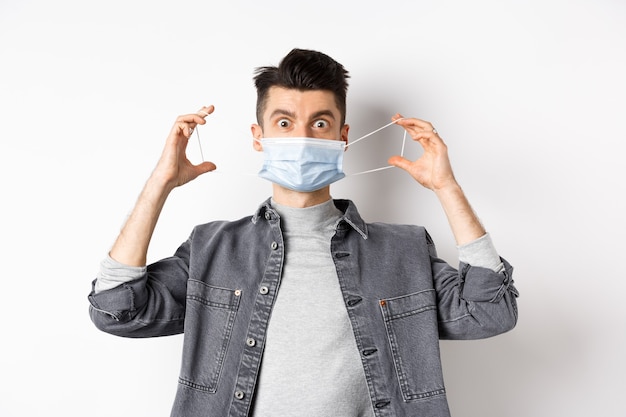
x,y
295,113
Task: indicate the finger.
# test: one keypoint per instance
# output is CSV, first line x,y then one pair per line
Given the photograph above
x,y
399,162
413,125
197,118
194,171
396,117
186,123
430,141
416,125
206,110
205,167
184,129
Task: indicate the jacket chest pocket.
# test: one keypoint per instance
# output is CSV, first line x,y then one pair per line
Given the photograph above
x,y
209,319
411,324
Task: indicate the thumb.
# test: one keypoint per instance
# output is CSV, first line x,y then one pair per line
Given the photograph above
x,y
205,167
399,162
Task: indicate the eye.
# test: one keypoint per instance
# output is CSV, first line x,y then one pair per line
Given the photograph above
x,y
284,123
321,124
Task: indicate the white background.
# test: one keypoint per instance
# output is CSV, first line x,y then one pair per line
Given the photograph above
x,y
529,96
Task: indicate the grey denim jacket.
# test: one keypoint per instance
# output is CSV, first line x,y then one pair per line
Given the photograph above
x,y
220,286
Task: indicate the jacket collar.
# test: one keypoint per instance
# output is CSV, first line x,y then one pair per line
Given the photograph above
x,y
350,214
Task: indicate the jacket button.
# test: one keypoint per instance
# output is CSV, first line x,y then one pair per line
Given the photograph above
x,y
250,342
354,301
382,404
264,290
239,395
268,215
274,245
368,352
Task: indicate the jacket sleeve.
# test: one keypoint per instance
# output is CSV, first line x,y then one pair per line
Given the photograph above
x,y
153,305
474,302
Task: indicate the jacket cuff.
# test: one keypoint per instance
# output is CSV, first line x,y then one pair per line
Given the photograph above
x,y
485,285
119,301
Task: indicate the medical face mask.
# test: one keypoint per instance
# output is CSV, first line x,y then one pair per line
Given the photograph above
x,y
306,164
302,164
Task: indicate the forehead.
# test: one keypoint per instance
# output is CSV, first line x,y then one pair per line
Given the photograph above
x,y
301,104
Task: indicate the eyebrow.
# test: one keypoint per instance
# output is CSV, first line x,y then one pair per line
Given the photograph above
x,y
281,112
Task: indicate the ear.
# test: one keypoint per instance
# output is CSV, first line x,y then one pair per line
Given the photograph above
x,y
344,134
257,133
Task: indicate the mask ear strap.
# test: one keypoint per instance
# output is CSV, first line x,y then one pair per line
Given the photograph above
x,y
200,143
375,131
369,171
382,168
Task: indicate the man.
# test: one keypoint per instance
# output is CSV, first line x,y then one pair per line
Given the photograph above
x,y
303,309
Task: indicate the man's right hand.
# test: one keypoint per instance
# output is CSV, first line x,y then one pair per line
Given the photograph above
x,y
174,168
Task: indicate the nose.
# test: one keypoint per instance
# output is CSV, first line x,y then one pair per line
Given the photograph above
x,y
303,130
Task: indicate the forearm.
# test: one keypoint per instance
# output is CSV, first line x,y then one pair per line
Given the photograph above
x,y
131,246
463,221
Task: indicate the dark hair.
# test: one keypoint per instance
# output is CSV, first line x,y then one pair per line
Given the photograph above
x,y
303,69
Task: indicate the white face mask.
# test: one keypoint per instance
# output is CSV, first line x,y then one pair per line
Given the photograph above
x,y
302,164
306,164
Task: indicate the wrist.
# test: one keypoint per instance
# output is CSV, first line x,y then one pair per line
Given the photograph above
x,y
450,188
464,223
158,184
